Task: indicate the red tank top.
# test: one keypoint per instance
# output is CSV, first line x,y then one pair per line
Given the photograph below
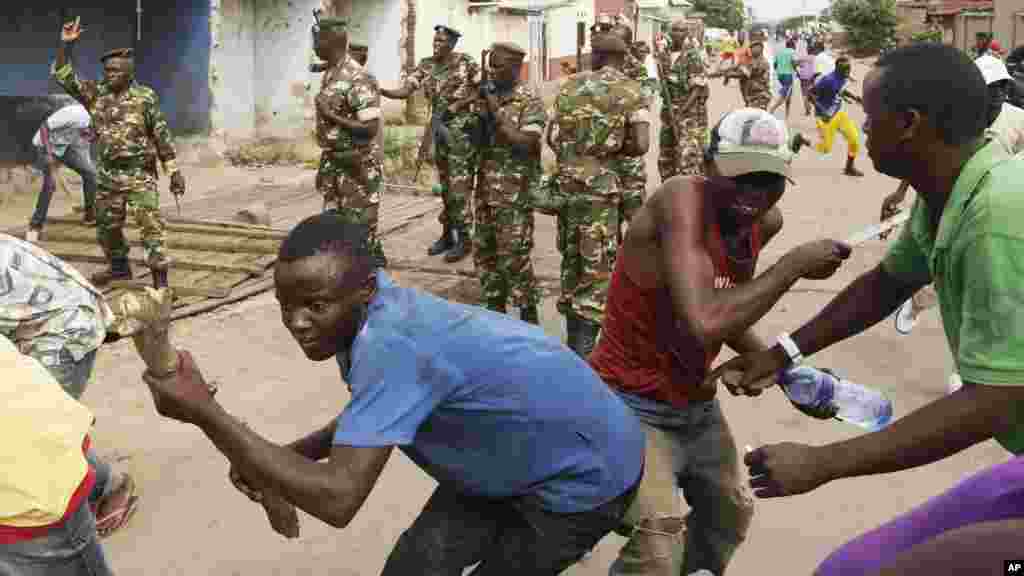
x,y
644,350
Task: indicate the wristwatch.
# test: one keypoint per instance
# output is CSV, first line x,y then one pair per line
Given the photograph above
x,y
792,350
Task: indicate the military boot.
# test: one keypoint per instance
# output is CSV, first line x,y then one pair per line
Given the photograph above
x,y
159,279
443,244
460,246
119,270
530,315
571,331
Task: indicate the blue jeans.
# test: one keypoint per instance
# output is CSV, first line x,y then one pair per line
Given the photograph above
x,y
73,377
71,549
76,157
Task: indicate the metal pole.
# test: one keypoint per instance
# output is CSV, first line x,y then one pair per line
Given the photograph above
x,y
535,17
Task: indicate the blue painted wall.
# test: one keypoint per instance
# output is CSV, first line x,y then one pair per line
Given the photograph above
x,y
173,55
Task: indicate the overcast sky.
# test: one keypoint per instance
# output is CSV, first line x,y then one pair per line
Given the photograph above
x,y
778,9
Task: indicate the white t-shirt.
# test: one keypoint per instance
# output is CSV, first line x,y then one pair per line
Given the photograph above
x,y
64,125
824,63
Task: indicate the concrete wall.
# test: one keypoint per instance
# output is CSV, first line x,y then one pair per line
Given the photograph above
x,y
260,77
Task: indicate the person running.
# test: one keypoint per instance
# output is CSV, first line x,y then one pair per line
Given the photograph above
x,y
927,109
784,68
683,286
828,94
553,460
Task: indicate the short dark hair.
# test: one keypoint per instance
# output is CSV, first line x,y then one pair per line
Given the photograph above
x,y
330,233
844,58
940,82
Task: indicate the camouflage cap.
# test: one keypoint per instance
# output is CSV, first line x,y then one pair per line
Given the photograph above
x,y
509,48
118,53
339,24
609,44
451,32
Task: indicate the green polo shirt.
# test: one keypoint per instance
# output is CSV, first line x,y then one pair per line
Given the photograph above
x,y
976,261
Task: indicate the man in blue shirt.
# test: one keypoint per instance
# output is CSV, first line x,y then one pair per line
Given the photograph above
x,y
828,94
536,459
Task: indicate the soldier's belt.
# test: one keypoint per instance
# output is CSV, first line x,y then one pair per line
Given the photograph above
x,y
130,164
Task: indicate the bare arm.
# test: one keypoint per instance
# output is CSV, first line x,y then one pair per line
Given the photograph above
x,y
332,491
710,315
864,303
316,446
936,431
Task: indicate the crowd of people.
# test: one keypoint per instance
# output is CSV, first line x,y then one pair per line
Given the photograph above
x,y
567,443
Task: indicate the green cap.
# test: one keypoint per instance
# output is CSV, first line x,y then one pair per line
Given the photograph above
x,y
118,53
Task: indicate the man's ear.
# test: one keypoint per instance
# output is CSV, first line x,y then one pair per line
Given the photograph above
x,y
912,124
368,287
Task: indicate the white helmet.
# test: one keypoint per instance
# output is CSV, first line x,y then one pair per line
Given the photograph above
x,y
992,69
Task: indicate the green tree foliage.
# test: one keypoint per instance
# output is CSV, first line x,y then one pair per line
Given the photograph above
x,y
871,24
728,14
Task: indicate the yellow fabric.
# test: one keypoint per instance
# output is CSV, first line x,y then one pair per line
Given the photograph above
x,y
41,459
839,123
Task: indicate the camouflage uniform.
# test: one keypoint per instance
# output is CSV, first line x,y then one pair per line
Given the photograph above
x,y
632,171
593,114
759,84
682,152
503,237
456,162
351,168
131,134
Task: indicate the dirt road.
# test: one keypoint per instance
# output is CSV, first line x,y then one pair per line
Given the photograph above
x,y
192,522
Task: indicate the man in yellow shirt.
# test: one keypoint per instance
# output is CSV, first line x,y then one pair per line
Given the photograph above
x,y
46,525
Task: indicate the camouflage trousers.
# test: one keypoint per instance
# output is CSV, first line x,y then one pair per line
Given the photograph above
x,y
350,185
682,156
589,228
116,192
456,164
502,243
632,175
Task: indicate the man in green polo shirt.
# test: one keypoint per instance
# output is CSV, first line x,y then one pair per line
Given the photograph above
x,y
926,108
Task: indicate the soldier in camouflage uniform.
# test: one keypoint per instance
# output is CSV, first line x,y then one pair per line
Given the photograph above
x,y
684,110
347,120
756,77
132,134
632,170
514,117
447,77
594,112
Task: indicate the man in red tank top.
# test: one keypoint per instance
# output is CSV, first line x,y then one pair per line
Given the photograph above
x,y
683,286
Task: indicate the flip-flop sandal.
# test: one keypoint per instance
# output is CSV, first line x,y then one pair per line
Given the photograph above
x,y
114,520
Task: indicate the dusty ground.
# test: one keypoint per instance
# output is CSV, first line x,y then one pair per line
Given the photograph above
x,y
192,522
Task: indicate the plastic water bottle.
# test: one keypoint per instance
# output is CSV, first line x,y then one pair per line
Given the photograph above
x,y
865,407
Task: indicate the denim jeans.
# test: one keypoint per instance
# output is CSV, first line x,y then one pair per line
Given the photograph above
x,y
73,377
693,449
78,158
71,549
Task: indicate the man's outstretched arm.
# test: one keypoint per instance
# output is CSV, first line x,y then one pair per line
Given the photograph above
x,y
332,491
717,315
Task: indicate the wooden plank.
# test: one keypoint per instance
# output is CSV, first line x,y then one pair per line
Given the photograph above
x,y
181,291
241,293
212,227
179,241
81,253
